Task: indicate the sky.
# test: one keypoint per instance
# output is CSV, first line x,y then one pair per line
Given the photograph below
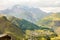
x,y
45,5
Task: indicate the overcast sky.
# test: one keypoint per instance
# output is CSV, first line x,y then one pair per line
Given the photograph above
x,y
45,5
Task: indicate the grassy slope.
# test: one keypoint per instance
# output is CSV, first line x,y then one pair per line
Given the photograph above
x,y
7,27
16,27
52,21
26,25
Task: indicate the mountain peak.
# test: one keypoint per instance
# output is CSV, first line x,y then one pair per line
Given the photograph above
x,y
2,15
25,12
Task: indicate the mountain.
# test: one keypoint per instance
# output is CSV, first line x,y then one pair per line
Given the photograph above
x,y
24,24
28,13
17,28
6,27
52,21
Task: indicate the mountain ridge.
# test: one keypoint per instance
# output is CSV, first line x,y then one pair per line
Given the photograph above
x,y
28,13
52,21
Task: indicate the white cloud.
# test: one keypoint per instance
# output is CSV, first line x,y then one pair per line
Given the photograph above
x,y
39,3
43,4
50,9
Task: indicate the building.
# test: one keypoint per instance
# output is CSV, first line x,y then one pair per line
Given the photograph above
x,y
5,37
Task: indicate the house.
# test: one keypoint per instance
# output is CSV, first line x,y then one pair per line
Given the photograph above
x,y
5,37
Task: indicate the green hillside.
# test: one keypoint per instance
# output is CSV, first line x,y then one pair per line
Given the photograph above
x,y
20,28
52,21
29,28
25,25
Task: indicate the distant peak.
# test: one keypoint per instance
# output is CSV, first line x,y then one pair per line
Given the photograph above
x,y
2,15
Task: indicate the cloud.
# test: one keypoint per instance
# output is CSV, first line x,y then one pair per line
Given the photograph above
x,y
38,3
46,3
43,4
50,9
